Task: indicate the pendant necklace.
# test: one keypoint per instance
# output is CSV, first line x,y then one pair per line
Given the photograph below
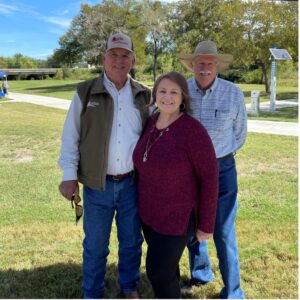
x,y
149,145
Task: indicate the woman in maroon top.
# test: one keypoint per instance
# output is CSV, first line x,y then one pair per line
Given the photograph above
x,y
177,183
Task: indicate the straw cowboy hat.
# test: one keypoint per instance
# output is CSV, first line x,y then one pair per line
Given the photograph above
x,y
206,48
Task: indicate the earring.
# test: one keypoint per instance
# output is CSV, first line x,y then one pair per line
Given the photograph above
x,y
182,107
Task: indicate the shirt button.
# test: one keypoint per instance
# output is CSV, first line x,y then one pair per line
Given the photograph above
x,y
120,108
118,159
119,125
119,142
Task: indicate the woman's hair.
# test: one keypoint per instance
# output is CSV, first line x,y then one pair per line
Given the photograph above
x,y
181,82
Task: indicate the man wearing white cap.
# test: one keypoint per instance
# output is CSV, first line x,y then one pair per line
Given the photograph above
x,y
101,130
219,105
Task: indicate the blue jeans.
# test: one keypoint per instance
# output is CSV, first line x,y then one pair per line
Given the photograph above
x,y
99,210
224,238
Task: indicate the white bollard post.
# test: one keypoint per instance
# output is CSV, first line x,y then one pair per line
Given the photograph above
x,y
255,103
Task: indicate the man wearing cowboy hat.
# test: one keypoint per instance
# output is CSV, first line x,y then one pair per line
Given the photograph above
x,y
219,105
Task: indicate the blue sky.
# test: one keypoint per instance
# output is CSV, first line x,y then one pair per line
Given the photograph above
x,y
33,27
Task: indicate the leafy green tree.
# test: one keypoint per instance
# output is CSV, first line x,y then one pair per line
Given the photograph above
x,y
86,38
247,29
155,19
18,61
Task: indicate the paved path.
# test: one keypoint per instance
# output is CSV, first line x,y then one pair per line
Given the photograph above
x,y
40,100
269,127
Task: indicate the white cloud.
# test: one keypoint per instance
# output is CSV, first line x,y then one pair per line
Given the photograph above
x,y
63,22
29,10
65,12
7,9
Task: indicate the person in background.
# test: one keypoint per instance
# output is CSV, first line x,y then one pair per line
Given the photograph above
x,y
5,87
219,105
102,127
177,183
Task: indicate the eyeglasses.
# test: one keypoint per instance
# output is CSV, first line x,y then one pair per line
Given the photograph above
x,y
78,208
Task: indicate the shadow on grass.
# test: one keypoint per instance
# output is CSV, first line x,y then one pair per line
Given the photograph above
x,y
63,281
50,89
286,114
60,281
279,96
207,291
286,95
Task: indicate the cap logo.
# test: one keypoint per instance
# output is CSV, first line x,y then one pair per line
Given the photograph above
x,y
116,39
119,40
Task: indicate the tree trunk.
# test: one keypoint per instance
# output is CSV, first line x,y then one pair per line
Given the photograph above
x,y
260,63
265,78
154,60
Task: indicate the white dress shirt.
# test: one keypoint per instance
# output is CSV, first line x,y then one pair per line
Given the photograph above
x,y
126,130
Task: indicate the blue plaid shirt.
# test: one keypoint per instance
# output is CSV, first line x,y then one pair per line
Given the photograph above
x,y
222,111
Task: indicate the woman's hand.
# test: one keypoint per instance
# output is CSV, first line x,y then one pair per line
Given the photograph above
x,y
201,235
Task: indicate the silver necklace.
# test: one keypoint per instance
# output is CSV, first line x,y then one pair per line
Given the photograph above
x,y
148,145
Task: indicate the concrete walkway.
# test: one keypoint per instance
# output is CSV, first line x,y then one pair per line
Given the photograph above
x,y
40,100
269,127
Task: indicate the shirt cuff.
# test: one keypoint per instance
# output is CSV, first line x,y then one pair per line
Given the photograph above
x,y
69,174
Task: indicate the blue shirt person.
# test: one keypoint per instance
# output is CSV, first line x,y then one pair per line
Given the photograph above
x,y
219,105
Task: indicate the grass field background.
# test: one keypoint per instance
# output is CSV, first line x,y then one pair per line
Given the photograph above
x,y
65,88
40,248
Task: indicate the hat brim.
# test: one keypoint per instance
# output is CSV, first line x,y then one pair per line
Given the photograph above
x,y
224,60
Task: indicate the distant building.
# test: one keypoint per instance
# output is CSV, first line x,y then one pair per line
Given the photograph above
x,y
83,65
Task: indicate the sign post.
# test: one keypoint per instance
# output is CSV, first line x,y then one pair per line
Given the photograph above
x,y
277,54
273,87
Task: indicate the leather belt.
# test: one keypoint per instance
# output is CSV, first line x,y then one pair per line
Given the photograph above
x,y
226,156
119,176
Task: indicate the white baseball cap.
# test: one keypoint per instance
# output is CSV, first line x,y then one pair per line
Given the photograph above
x,y
119,40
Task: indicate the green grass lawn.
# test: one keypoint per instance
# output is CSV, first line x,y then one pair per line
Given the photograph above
x,y
40,248
283,91
63,89
286,114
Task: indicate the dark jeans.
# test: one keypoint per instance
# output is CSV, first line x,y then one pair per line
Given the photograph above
x,y
162,260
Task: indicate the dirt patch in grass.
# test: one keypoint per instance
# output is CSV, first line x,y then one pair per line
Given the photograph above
x,y
23,156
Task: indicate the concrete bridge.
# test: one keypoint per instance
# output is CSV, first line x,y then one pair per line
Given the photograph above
x,y
29,73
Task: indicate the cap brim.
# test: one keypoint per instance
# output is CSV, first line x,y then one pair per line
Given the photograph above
x,y
120,47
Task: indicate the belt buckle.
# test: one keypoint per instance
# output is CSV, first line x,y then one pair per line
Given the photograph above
x,y
120,176
116,177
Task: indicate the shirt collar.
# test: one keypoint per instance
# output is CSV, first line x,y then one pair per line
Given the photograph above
x,y
107,82
210,90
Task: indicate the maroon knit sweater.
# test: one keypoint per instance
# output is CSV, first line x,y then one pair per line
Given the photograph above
x,y
181,174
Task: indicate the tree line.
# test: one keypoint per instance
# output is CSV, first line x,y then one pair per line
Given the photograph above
x,y
160,31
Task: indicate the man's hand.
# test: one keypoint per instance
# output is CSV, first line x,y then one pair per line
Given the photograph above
x,y
69,188
201,235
